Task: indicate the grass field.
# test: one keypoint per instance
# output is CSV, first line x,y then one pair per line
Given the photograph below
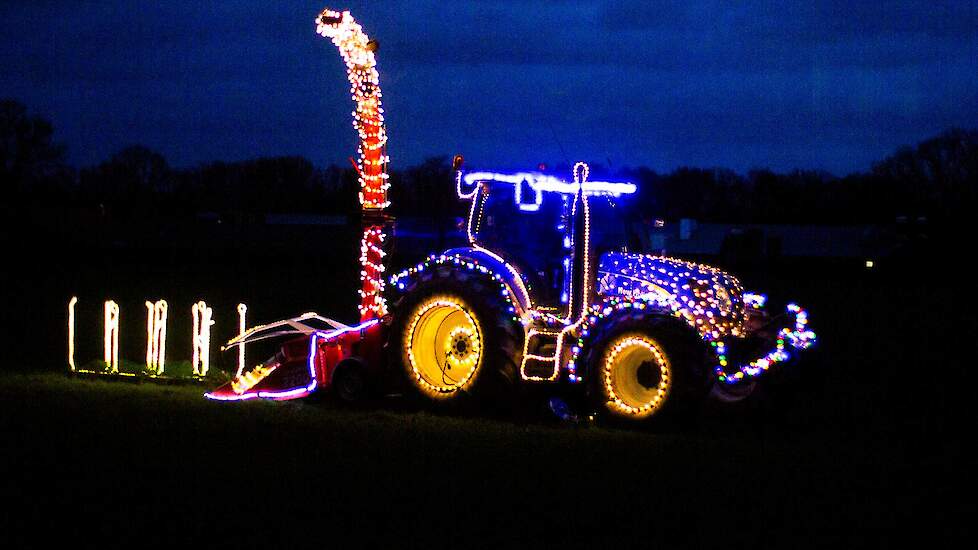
x,y
123,461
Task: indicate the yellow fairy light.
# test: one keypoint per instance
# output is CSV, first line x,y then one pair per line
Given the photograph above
x,y
156,336
71,332
202,337
444,347
248,380
622,385
242,326
111,337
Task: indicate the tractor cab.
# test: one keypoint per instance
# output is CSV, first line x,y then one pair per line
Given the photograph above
x,y
540,227
539,224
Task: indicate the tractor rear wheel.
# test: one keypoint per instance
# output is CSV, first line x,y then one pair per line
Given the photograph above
x,y
456,337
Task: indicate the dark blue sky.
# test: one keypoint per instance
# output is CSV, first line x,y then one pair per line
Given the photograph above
x,y
775,83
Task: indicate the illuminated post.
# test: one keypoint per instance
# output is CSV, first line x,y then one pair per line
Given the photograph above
x,y
242,310
111,338
156,336
202,337
357,51
71,332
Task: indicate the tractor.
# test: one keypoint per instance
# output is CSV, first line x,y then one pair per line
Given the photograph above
x,y
545,293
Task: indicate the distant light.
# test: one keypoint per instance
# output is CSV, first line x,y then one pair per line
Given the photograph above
x,y
870,264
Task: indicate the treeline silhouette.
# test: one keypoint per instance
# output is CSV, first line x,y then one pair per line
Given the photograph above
x,y
934,180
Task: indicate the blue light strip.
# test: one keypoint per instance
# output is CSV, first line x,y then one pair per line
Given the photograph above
x,y
541,182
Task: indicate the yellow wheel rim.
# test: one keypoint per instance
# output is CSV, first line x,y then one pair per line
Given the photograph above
x,y
444,346
635,376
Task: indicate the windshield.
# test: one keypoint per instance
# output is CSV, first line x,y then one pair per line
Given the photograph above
x,y
532,240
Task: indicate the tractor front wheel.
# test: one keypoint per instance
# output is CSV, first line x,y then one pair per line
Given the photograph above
x,y
634,376
645,369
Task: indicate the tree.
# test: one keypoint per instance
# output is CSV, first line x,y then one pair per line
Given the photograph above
x,y
939,176
134,174
28,156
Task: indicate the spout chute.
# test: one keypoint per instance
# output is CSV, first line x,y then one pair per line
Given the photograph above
x,y
357,51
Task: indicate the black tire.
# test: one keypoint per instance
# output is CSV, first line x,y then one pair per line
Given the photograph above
x,y
733,393
501,336
350,385
686,367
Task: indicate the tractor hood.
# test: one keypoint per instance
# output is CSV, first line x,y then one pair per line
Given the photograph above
x,y
707,296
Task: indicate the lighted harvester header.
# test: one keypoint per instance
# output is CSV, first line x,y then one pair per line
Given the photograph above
x,y
357,51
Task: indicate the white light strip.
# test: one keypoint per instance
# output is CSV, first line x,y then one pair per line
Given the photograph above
x,y
71,332
156,336
111,337
203,320
542,182
242,326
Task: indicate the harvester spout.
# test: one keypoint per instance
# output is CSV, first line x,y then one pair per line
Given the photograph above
x,y
357,51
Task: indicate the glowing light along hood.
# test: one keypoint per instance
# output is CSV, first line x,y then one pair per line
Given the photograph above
x,y
704,295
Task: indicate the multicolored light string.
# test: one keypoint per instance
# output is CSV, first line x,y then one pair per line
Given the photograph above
x,y
400,280
799,338
711,300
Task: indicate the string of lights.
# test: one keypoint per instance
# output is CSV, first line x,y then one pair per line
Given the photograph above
x,y
203,320
71,332
156,337
800,337
111,337
242,327
401,280
357,51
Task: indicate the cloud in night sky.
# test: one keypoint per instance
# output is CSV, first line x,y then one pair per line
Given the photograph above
x,y
784,84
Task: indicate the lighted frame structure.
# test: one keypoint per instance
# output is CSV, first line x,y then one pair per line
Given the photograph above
x,y
242,327
203,320
71,332
111,337
156,336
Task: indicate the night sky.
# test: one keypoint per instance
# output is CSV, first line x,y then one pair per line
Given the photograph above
x,y
783,84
